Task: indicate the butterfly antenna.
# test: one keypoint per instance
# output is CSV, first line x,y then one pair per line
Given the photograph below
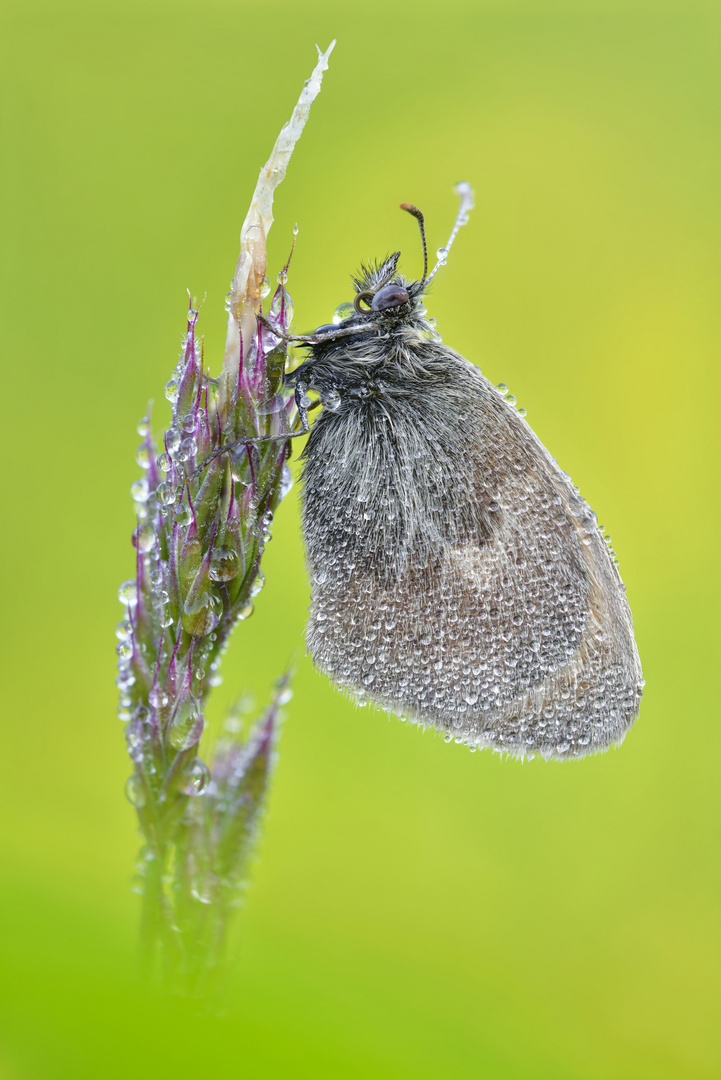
x,y
410,209
465,193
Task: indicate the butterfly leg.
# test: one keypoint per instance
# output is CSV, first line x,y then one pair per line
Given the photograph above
x,y
316,339
259,440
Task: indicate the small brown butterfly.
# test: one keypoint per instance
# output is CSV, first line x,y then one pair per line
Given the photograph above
x,y
458,579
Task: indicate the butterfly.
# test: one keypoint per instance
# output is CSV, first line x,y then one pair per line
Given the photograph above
x,y
457,577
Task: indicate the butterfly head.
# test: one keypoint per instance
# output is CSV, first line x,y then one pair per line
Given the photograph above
x,y
381,290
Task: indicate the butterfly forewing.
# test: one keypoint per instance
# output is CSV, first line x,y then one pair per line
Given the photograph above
x,y
457,577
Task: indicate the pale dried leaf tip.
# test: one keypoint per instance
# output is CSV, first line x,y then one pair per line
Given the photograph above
x,y
250,270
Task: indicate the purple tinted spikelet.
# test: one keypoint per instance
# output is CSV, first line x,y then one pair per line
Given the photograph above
x,y
203,519
199,540
221,836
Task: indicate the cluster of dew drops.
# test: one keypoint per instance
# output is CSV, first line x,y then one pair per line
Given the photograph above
x,y
588,530
152,503
589,516
156,499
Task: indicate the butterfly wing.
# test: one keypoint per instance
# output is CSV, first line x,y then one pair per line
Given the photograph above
x,y
457,577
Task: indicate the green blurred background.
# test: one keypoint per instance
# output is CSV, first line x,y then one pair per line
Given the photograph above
x,y
416,911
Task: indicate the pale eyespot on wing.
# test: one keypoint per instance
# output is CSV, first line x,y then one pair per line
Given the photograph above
x,y
457,578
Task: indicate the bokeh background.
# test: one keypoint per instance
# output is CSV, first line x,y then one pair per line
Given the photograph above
x,y
416,911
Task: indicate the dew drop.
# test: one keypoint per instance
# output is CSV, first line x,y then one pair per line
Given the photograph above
x,y
202,615
158,698
139,490
184,516
342,312
186,449
172,440
286,482
331,400
172,388
142,456
128,593
223,564
442,255
166,494
197,778
134,791
146,538
187,727
257,584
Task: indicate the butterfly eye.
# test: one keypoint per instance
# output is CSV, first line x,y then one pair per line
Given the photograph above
x,y
389,296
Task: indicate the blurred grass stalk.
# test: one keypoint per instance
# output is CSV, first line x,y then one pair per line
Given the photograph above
x,y
202,523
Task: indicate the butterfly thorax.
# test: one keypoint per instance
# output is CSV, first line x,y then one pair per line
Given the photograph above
x,y
393,346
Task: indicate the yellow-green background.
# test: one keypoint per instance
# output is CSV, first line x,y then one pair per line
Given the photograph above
x,y
416,911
